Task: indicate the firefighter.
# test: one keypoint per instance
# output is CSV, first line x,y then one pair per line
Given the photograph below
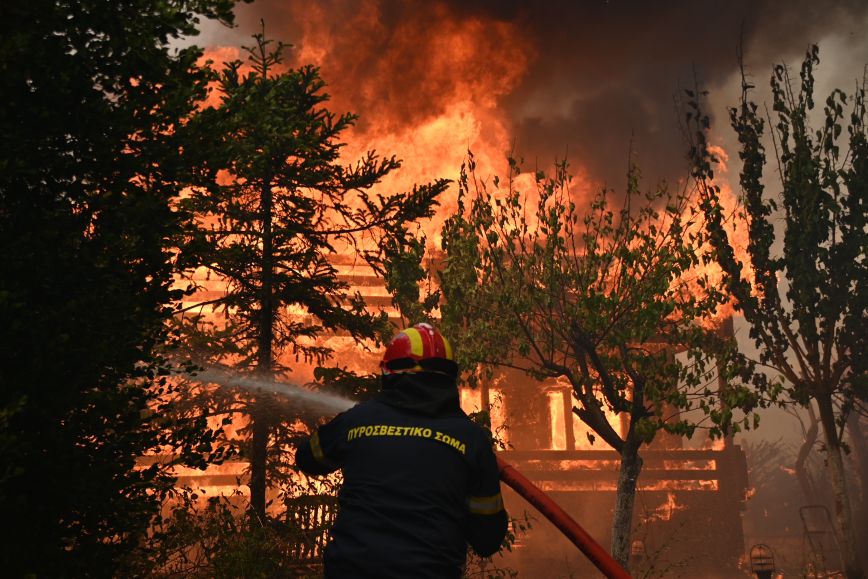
x,y
420,478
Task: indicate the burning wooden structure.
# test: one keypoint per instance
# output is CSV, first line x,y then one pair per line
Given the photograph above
x,y
688,512
689,499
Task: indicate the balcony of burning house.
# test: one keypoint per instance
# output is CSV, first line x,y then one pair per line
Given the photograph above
x,y
689,501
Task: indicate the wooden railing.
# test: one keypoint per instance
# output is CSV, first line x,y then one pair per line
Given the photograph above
x,y
663,470
309,517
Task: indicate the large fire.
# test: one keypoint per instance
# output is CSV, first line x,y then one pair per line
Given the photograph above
x,y
427,89
432,81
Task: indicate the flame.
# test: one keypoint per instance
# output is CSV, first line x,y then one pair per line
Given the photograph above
x,y
666,511
471,400
558,422
428,90
736,227
584,434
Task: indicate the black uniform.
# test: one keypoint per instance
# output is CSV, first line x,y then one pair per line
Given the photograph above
x,y
420,483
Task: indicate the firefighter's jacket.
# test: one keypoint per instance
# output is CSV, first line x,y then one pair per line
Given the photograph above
x,y
420,483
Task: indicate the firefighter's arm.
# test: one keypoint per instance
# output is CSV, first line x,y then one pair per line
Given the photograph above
x,y
322,452
487,521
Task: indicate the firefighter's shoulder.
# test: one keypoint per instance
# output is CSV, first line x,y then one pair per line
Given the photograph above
x,y
475,432
478,423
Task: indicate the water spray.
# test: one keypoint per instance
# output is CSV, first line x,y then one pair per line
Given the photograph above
x,y
331,403
316,401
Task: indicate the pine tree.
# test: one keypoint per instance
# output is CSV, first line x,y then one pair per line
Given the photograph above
x,y
272,202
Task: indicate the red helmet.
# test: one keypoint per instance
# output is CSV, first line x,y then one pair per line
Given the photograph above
x,y
419,349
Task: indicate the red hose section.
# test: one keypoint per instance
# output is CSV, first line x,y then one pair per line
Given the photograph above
x,y
553,512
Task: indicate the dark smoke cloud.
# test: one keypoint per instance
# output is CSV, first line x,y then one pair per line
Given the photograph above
x,y
599,75
395,64
616,66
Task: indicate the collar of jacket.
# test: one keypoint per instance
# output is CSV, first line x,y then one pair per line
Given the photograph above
x,y
424,392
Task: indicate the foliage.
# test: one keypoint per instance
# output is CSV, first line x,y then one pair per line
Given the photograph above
x,y
488,567
405,273
803,292
284,206
216,540
809,333
592,298
88,162
600,299
271,202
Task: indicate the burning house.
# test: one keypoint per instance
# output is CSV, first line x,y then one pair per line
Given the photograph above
x,y
429,84
689,500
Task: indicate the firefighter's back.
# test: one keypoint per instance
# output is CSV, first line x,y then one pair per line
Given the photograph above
x,y
403,504
420,479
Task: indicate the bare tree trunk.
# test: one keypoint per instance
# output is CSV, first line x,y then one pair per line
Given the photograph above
x,y
802,475
843,512
261,426
258,456
265,363
625,499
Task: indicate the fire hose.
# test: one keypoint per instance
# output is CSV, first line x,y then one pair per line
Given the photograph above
x,y
563,521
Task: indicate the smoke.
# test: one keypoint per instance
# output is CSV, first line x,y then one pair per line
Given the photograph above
x,y
301,397
608,72
586,80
